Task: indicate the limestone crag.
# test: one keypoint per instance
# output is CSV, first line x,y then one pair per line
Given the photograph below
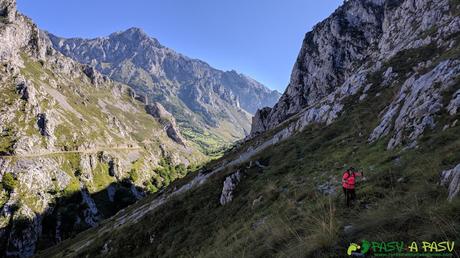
x,y
365,40
167,120
451,179
229,187
417,103
329,55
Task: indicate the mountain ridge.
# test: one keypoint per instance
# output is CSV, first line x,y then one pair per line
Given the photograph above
x,y
198,95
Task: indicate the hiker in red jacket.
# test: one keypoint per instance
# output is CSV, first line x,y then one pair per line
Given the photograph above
x,y
348,183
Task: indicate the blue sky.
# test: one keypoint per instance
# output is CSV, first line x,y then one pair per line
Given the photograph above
x,y
260,38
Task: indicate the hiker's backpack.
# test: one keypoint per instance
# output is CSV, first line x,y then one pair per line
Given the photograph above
x,y
350,180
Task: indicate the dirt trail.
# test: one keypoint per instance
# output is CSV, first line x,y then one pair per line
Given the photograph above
x,y
88,151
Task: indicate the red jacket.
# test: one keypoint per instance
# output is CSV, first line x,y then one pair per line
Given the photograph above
x,y
349,180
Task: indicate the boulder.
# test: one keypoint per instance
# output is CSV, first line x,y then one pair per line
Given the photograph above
x,y
95,77
451,179
259,121
230,184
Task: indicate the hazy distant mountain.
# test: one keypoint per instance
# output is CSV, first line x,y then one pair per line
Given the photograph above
x,y
204,100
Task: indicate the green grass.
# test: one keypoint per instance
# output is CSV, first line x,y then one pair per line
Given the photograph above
x,y
101,177
31,68
7,141
209,144
135,170
3,196
9,183
72,188
404,61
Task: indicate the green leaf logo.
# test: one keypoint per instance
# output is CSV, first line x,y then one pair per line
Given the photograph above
x,y
365,246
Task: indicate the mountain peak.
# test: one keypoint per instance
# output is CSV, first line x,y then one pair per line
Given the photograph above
x,y
136,31
135,34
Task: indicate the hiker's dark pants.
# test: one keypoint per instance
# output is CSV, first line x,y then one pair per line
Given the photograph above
x,y
350,195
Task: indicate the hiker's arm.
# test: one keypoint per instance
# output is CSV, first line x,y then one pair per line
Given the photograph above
x,y
361,174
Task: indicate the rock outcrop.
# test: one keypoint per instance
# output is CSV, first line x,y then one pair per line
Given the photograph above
x,y
451,179
91,213
25,231
260,121
167,120
95,77
8,10
229,187
416,105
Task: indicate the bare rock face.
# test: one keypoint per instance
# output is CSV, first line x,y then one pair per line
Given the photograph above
x,y
24,234
24,90
91,213
8,9
87,165
418,100
46,125
362,38
454,103
259,120
95,77
451,179
167,120
329,54
230,184
42,124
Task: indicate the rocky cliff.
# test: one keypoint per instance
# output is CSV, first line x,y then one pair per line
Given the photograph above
x,y
358,48
75,146
201,98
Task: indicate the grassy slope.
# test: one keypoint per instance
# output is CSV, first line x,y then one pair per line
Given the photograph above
x,y
277,211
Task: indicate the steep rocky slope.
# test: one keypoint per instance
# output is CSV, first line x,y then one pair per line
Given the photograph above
x,y
376,85
364,40
75,147
204,100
